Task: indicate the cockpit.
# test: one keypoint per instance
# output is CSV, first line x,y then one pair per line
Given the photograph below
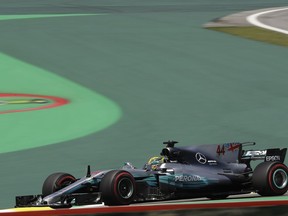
x,y
154,163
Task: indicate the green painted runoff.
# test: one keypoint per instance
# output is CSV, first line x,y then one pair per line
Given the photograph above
x,y
86,113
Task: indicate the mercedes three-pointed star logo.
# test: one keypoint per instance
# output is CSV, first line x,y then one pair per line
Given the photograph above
x,y
200,158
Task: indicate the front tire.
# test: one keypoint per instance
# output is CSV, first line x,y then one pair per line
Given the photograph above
x,y
118,188
55,182
270,179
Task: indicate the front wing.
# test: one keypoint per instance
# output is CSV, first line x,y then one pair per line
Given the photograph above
x,y
66,200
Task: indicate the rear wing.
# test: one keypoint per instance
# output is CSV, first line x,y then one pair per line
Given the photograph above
x,y
275,154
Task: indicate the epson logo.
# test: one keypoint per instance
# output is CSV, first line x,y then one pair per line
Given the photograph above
x,y
273,158
182,178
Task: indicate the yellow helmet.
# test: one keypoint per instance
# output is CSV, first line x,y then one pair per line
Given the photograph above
x,y
155,162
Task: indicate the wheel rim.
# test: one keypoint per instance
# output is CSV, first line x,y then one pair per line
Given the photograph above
x,y
280,178
125,188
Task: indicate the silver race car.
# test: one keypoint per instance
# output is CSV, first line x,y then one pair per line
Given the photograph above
x,y
214,171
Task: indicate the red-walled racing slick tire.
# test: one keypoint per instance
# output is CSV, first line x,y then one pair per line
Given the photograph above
x,y
118,188
55,182
270,179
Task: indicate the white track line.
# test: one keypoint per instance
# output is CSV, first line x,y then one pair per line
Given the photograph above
x,y
253,19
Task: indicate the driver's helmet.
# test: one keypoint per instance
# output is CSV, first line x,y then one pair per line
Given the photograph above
x,y
155,162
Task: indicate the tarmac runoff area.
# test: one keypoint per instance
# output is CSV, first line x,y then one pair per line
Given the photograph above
x,y
243,19
251,18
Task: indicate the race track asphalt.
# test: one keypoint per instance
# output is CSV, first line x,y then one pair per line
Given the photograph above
x,y
166,76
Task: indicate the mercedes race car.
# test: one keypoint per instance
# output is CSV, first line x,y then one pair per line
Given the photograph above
x,y
213,171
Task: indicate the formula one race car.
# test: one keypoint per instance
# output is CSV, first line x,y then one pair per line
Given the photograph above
x,y
214,171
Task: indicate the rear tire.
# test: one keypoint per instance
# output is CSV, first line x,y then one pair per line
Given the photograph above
x,y
55,182
118,188
270,179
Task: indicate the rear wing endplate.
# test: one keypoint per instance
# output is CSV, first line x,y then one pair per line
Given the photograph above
x,y
275,154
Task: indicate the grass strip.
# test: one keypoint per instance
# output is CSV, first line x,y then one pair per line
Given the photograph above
x,y
255,33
